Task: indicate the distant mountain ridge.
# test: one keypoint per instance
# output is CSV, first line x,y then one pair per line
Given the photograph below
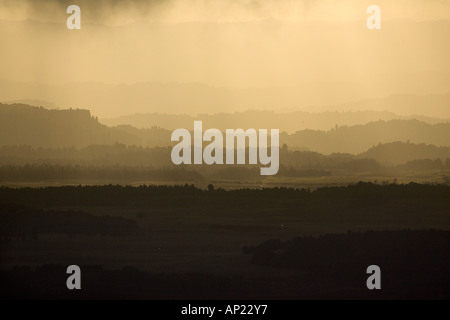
x,y
112,100
285,121
38,127
437,105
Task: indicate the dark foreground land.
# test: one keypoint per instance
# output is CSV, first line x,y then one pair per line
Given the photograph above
x,y
161,242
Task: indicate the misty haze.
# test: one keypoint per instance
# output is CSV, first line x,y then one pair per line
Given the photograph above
x,y
86,175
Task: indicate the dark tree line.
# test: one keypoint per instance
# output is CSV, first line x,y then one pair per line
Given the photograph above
x,y
166,195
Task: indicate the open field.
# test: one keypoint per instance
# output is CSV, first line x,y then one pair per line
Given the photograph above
x,y
188,230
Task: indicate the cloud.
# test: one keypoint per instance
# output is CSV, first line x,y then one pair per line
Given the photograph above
x,y
99,11
116,12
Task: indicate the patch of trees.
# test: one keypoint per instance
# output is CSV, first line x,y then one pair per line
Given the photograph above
x,y
403,255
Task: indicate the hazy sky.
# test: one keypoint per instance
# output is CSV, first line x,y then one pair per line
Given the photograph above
x,y
321,47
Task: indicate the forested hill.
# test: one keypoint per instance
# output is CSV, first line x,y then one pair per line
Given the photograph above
x,y
399,152
21,124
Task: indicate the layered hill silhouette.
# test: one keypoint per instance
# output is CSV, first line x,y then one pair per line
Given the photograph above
x,y
38,127
358,138
287,121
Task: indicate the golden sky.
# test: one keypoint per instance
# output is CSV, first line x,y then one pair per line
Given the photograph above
x,y
320,49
